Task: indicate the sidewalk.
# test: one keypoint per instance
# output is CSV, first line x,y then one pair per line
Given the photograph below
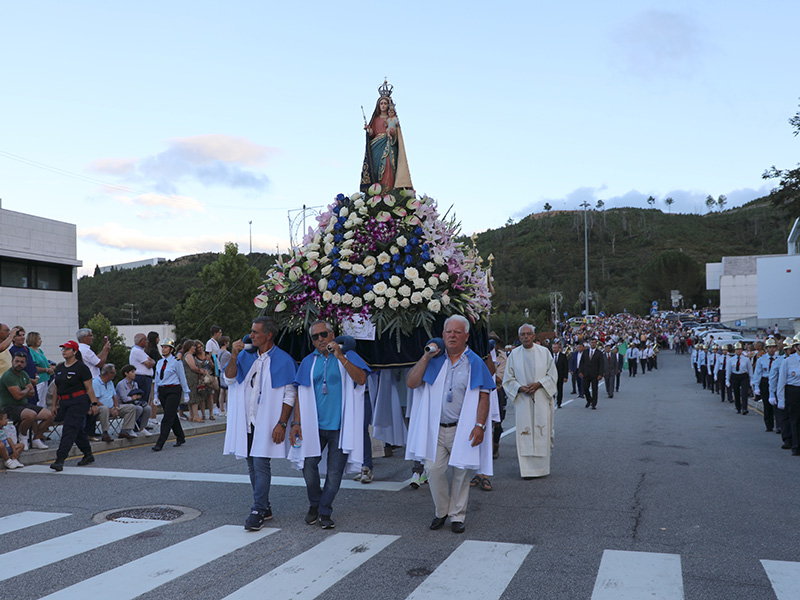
x,y
33,457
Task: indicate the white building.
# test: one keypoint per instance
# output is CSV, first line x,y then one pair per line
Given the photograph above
x,y
38,277
759,291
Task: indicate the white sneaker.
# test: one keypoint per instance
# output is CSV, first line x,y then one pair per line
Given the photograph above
x,y
18,464
414,481
25,444
9,464
153,422
144,432
39,444
216,411
133,433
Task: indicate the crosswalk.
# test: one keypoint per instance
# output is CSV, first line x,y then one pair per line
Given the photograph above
x,y
473,570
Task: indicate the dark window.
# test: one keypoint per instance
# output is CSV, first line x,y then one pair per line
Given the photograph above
x,y
30,274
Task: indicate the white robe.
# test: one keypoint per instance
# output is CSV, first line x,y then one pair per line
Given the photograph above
x,y
535,430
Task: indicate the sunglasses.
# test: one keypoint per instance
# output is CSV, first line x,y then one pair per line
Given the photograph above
x,y
321,334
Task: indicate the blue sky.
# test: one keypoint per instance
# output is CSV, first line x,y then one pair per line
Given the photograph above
x,y
163,128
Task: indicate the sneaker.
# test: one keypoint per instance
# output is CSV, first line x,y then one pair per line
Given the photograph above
x,y
94,438
358,477
39,444
152,423
25,444
423,479
18,464
9,464
326,522
144,432
313,513
415,481
256,520
366,475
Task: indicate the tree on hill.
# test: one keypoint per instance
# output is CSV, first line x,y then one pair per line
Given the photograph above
x,y
671,270
651,201
600,205
224,298
710,202
547,206
722,201
788,191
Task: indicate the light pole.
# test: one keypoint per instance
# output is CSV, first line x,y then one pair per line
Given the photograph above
x,y
585,206
251,236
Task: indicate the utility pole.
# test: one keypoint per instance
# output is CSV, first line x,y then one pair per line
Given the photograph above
x,y
585,206
251,236
131,307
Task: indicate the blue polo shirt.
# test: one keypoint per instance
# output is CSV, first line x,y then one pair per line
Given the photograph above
x,y
329,405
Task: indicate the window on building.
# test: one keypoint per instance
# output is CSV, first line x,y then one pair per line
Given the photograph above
x,y
30,274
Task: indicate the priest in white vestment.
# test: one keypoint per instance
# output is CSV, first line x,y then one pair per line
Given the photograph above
x,y
531,380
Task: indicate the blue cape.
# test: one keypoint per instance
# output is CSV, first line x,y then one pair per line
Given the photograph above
x,y
282,367
304,372
479,375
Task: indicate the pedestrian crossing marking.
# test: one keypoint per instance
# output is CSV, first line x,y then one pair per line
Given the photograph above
x,y
480,570
29,518
53,550
309,574
149,572
379,486
784,577
636,575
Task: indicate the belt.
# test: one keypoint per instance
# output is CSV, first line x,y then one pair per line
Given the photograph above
x,y
169,386
73,395
448,424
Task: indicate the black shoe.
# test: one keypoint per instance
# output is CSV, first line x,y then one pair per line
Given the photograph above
x,y
326,522
778,430
786,446
157,448
769,430
58,466
594,408
438,523
86,460
255,521
795,453
313,513
587,405
457,527
180,443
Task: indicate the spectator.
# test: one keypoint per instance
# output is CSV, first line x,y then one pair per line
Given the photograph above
x,y
10,448
195,374
213,349
5,342
110,405
142,363
94,361
18,346
16,389
125,392
222,360
43,366
152,350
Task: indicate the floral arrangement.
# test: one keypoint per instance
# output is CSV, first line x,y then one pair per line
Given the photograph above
x,y
388,257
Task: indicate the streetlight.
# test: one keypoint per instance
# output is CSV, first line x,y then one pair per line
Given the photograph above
x,y
251,236
585,206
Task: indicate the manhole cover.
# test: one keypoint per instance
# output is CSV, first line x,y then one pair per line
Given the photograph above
x,y
159,512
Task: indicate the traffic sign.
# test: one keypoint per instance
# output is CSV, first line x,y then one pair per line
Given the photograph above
x,y
655,303
602,314
565,314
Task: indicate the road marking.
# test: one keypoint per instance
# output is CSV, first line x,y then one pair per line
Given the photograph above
x,y
381,486
480,570
508,432
53,550
309,574
785,578
149,572
637,575
29,518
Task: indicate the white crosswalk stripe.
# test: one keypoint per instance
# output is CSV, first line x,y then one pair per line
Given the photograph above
x,y
50,551
29,518
480,570
785,578
311,573
637,575
147,573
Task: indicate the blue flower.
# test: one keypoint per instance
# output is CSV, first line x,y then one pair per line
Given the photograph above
x,y
413,241
395,257
341,289
418,231
338,227
386,275
368,287
341,220
340,197
331,284
425,247
425,256
338,237
409,260
348,278
377,276
360,280
386,266
399,270
336,209
355,290
335,275
335,251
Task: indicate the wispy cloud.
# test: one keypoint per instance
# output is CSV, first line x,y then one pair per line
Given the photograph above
x,y
657,43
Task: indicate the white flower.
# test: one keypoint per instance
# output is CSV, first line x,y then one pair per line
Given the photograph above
x,y
322,284
394,281
404,290
336,299
419,283
438,259
280,307
312,256
349,234
363,211
327,295
329,228
358,199
345,252
344,211
411,273
328,238
393,303
416,298
429,267
433,281
394,250
347,243
434,306
357,302
369,261
358,221
445,299
444,276
388,200
368,271
357,269
380,288
402,241
390,292
427,293
328,247
369,296
380,302
405,303
345,265
347,298
384,258
326,270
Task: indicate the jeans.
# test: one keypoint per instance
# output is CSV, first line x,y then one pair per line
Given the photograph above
x,y
323,498
260,478
144,383
367,439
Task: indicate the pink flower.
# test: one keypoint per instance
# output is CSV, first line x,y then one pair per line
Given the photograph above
x,y
383,217
375,189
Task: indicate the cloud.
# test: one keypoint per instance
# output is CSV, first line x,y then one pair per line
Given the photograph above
x,y
114,235
657,43
172,204
210,160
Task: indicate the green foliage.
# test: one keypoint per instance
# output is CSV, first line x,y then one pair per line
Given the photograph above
x,y
119,353
224,298
787,193
672,270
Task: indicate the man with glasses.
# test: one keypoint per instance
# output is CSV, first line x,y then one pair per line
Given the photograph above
x,y
109,407
261,396
94,361
330,386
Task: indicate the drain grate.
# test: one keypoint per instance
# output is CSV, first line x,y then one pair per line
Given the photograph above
x,y
150,513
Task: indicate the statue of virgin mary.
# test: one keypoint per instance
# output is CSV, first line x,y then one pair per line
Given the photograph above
x,y
385,156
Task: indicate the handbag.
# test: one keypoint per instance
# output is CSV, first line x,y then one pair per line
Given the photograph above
x,y
209,381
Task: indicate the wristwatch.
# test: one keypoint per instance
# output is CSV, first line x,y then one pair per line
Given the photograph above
x,y
282,424
481,425
295,423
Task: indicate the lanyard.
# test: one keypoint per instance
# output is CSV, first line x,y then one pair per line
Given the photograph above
x,y
452,374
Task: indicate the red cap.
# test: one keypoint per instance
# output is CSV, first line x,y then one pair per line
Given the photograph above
x,y
70,344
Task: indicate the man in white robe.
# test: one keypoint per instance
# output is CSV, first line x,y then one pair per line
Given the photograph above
x,y
260,400
530,381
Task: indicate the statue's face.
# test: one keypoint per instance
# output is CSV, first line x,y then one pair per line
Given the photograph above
x,y
383,104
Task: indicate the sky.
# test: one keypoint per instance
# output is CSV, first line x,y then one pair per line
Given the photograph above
x,y
169,128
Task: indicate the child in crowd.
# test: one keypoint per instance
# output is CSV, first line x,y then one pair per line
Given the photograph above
x,y
10,448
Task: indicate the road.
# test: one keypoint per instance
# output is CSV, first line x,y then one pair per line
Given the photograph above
x,y
661,493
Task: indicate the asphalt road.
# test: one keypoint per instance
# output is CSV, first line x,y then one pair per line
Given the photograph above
x,y
662,492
